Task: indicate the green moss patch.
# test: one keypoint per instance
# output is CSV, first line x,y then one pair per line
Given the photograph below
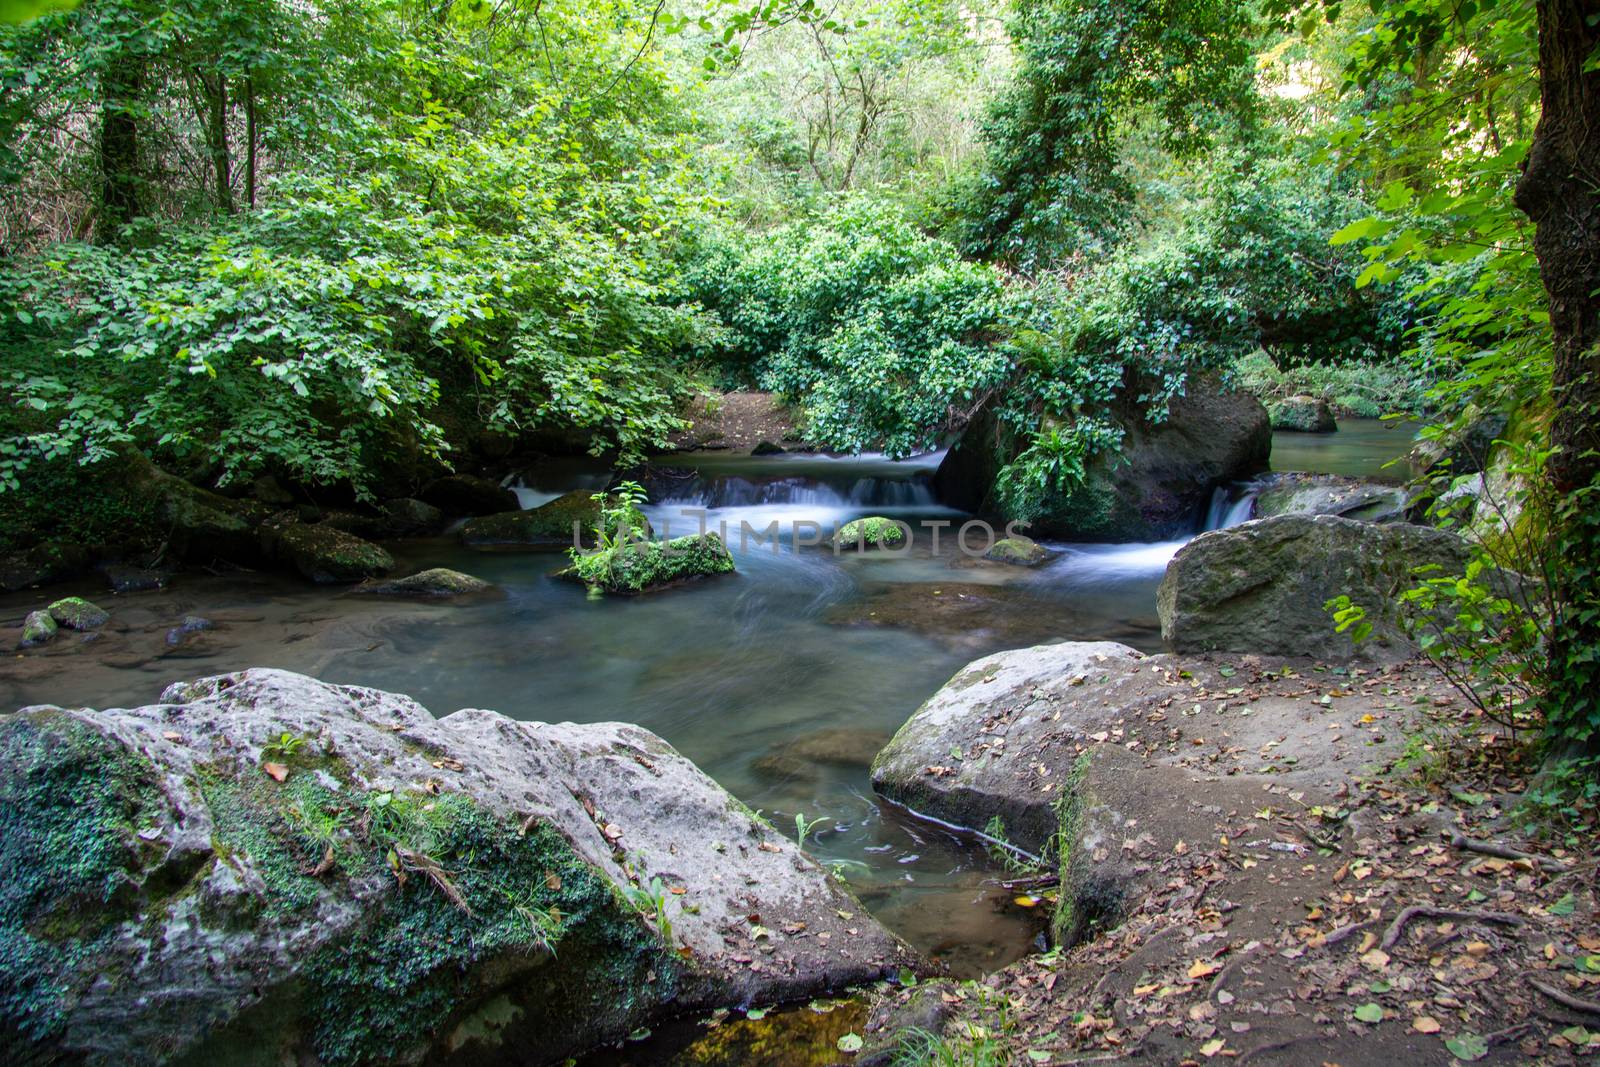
x,y
631,567
71,804
872,532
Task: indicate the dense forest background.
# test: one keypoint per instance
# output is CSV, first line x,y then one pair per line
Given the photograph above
x,y
341,240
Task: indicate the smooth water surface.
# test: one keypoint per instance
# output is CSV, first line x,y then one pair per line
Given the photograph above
x,y
1362,448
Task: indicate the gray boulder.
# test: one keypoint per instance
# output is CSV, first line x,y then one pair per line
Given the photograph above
x,y
264,869
410,515
325,554
1330,494
1262,586
466,494
1302,414
1154,487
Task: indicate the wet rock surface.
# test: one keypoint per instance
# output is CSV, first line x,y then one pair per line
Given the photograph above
x,y
433,582
327,555
1302,414
1263,586
1329,494
276,868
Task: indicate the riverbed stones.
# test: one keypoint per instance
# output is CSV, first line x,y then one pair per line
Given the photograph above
x,y
76,613
1302,414
434,582
279,870
38,628
1153,487
1263,586
327,555
467,494
1330,494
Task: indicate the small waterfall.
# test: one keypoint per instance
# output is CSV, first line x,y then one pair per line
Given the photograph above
x,y
735,492
1226,511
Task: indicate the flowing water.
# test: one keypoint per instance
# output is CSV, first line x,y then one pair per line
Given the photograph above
x,y
781,681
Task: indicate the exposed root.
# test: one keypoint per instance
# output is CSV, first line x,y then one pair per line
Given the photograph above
x,y
1396,928
1565,999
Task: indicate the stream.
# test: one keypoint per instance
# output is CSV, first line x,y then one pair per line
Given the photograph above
x,y
781,681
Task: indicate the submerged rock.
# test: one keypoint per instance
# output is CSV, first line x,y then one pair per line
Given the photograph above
x,y
1153,487
1330,494
76,613
324,554
37,629
635,567
434,582
557,524
1020,551
279,870
1262,586
1302,414
874,531
124,578
465,494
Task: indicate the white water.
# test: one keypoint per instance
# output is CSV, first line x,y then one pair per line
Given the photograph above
x,y
1092,564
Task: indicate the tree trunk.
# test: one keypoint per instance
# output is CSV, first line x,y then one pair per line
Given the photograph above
x,y
1560,191
216,90
250,143
120,200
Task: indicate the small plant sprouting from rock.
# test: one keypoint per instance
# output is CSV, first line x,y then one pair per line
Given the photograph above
x,y
284,749
650,901
804,827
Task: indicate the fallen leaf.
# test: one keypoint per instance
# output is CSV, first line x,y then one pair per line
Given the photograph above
x,y
1369,1013
1212,1047
1467,1047
277,771
1200,969
1425,1024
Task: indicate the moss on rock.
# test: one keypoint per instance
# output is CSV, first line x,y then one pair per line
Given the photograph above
x,y
37,629
632,567
874,531
76,613
434,582
563,522
1020,551
324,554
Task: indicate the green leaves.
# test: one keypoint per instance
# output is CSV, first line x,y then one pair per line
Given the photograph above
x,y
1369,1013
1467,1046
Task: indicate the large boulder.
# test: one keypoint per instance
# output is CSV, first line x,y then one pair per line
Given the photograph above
x,y
560,523
1155,487
1106,760
1262,586
1302,414
265,869
467,494
1329,494
325,554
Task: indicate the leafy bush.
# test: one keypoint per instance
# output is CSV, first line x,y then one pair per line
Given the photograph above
x,y
884,335
1365,389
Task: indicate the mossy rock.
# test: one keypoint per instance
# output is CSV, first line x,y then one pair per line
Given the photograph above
x,y
561,523
76,613
875,531
324,554
434,582
263,868
37,629
1302,414
633,566
1019,551
466,494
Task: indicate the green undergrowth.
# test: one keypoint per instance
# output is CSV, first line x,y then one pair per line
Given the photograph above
x,y
71,804
1367,389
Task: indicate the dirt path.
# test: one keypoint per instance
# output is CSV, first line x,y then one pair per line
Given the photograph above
x,y
738,422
